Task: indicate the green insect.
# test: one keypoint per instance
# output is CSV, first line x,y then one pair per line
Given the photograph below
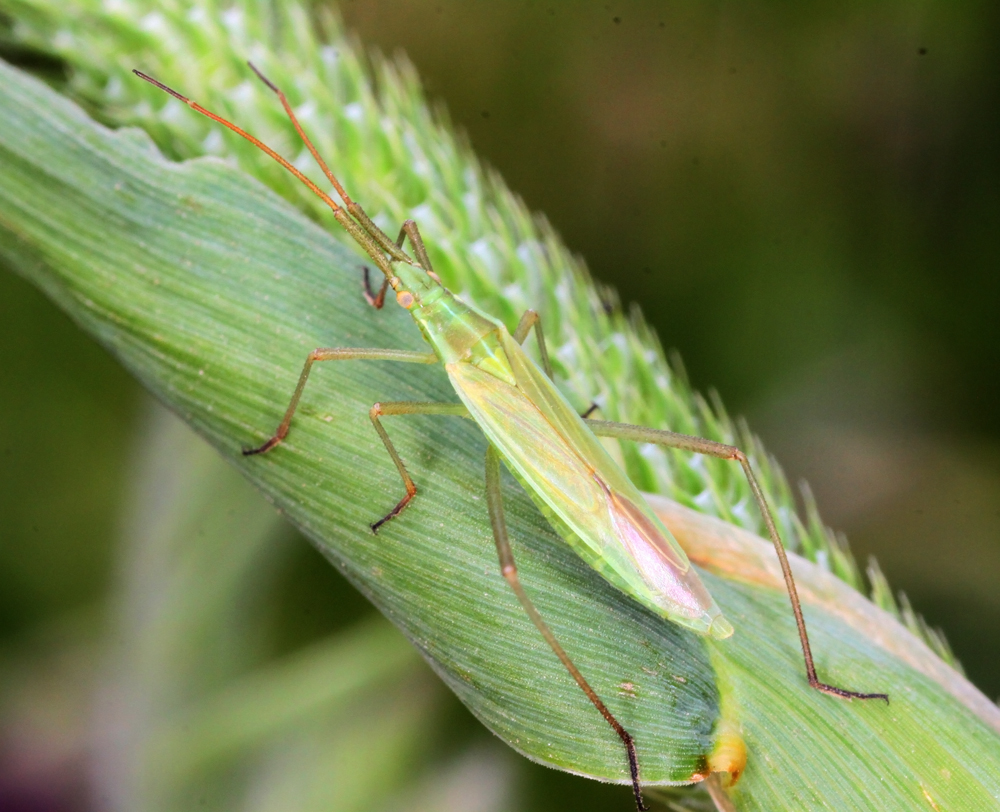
x,y
551,449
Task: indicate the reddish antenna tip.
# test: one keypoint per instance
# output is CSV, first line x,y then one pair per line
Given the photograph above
x,y
162,86
263,78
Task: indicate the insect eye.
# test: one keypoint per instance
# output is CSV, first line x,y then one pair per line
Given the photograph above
x,y
405,298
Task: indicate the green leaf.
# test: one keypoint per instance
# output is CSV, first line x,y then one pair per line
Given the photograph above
x,y
186,704
806,751
211,290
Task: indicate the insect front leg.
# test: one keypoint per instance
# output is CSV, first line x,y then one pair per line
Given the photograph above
x,y
321,354
699,445
376,300
401,408
494,501
409,229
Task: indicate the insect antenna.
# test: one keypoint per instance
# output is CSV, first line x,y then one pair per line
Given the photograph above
x,y
360,234
384,240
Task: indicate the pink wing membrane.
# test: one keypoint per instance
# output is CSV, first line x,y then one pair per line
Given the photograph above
x,y
672,582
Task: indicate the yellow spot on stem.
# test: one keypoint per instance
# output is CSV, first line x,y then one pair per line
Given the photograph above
x,y
730,752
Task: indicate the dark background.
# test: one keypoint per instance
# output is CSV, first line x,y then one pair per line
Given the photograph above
x,y
803,199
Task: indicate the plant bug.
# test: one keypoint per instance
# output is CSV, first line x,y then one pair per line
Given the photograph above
x,y
553,452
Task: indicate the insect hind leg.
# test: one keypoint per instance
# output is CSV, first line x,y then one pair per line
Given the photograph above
x,y
494,500
699,445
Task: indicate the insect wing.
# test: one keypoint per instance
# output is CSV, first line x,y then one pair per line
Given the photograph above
x,y
575,482
538,389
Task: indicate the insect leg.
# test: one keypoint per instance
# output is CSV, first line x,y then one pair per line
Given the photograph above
x,y
410,230
321,354
406,407
700,445
532,319
376,300
494,500
528,320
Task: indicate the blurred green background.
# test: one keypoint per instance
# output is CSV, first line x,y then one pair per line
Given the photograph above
x,y
803,199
